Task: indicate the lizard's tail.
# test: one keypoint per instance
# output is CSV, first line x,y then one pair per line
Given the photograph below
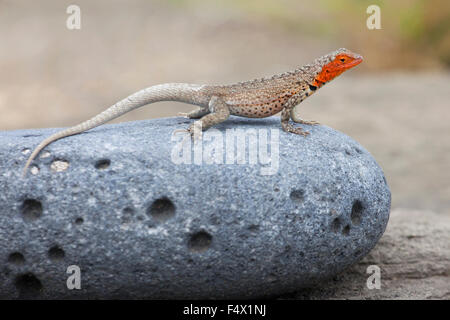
x,y
181,92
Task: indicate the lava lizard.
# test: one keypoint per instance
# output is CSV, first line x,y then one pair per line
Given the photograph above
x,y
257,98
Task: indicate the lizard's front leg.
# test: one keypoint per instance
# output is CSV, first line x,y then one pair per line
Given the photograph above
x,y
285,116
195,114
219,112
297,119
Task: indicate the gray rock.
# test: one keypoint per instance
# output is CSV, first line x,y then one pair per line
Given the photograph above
x,y
414,260
113,202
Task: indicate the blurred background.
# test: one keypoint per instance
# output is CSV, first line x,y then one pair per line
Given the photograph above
x,y
396,104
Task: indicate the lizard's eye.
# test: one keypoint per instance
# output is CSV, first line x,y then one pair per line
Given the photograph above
x,y
342,59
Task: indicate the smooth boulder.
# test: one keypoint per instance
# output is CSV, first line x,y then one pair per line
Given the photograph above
x,y
145,214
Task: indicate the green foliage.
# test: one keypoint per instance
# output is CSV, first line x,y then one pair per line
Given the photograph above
x,y
411,21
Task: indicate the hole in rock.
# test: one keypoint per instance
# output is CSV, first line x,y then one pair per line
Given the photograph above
x,y
128,211
297,195
16,258
31,209
127,214
336,225
28,285
79,221
356,214
102,164
200,241
55,253
161,209
346,230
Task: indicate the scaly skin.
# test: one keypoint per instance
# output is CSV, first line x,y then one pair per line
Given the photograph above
x,y
253,99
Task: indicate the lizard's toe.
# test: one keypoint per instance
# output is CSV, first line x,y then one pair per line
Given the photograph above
x,y
300,132
181,131
195,132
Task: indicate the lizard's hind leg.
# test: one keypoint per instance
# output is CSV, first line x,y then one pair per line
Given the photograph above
x,y
285,116
195,114
219,112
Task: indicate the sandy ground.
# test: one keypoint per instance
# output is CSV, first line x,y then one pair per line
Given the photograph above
x,y
53,77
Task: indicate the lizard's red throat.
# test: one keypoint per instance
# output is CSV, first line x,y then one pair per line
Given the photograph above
x,y
341,63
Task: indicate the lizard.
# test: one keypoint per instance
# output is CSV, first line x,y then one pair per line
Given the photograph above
x,y
257,98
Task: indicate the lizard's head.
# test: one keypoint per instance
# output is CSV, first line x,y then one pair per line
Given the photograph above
x,y
333,64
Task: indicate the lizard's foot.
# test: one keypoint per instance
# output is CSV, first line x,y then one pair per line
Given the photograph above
x,y
195,130
189,134
194,114
296,130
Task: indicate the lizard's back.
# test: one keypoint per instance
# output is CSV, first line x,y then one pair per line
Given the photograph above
x,y
260,98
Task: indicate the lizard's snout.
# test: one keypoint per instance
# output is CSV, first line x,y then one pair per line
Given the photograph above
x,y
359,57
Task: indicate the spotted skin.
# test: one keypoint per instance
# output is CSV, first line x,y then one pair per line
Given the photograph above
x,y
257,98
265,97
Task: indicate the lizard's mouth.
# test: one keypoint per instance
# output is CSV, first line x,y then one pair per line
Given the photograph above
x,y
357,60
